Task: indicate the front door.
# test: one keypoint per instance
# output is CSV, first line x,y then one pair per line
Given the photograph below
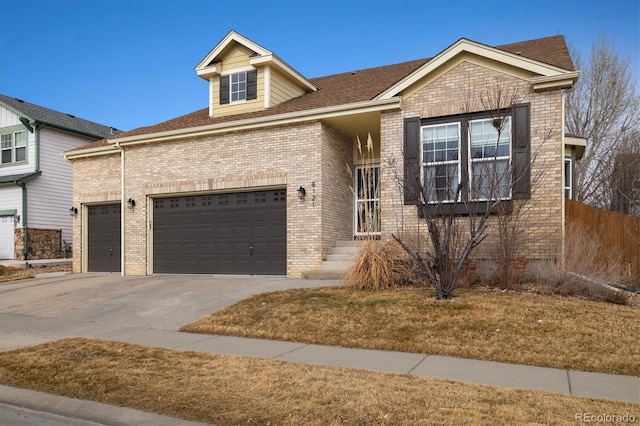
x,y
367,200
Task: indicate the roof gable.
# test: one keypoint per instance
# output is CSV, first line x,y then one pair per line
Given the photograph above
x,y
208,67
231,38
548,74
360,88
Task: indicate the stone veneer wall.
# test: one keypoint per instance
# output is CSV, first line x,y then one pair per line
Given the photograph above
x,y
41,244
284,157
458,91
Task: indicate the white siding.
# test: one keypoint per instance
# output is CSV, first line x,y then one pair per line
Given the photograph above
x,y
11,198
7,119
50,195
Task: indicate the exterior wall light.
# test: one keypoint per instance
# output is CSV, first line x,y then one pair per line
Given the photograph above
x,y
16,219
73,212
301,192
131,203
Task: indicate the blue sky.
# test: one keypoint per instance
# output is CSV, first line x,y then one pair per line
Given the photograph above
x,y
130,63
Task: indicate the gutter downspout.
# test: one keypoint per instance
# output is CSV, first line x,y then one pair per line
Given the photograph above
x,y
37,127
32,129
563,232
25,250
122,208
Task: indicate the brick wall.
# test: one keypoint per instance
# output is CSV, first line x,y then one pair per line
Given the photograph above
x,y
337,196
284,157
463,89
96,180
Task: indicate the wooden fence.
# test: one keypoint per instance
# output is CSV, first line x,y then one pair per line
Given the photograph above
x,y
616,231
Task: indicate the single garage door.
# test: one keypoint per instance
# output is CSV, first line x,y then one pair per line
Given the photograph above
x,y
103,235
7,230
241,233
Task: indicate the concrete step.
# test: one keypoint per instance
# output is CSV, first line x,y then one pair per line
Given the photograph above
x,y
336,265
350,250
338,261
352,243
342,257
323,275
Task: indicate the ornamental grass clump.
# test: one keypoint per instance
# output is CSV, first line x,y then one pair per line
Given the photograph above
x,y
381,265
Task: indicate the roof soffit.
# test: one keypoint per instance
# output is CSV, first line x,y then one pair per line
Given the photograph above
x,y
463,48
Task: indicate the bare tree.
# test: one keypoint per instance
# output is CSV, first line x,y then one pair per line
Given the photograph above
x,y
604,108
625,183
456,207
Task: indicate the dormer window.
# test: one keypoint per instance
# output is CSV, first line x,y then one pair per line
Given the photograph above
x,y
238,89
239,86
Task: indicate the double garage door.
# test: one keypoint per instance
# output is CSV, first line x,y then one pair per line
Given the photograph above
x,y
239,233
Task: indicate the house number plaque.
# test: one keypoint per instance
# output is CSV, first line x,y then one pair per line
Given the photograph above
x,y
313,193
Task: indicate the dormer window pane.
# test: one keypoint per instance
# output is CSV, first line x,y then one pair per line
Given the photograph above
x,y
238,87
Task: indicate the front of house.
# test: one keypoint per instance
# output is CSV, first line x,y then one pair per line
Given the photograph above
x,y
267,179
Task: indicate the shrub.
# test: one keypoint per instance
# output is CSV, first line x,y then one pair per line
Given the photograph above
x,y
470,276
380,266
548,279
586,255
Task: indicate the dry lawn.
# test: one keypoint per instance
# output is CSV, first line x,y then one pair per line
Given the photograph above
x,y
10,273
522,328
228,390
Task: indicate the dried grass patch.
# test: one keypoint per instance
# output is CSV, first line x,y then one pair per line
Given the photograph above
x,y
522,328
230,390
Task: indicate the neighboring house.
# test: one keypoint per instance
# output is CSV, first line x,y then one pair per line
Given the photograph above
x,y
261,181
35,179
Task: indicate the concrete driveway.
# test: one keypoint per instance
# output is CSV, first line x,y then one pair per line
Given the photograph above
x,y
107,306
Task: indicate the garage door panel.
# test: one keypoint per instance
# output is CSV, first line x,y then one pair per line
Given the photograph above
x,y
103,238
242,233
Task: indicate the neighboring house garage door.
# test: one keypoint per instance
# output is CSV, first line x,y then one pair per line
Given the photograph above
x,y
7,226
242,233
104,238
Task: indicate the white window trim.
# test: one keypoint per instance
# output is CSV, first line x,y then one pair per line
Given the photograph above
x,y
471,161
424,163
244,99
564,178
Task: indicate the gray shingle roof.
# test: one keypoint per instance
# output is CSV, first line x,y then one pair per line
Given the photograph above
x,y
58,119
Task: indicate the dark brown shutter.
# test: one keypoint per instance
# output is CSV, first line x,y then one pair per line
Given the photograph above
x,y
224,89
412,185
521,149
252,84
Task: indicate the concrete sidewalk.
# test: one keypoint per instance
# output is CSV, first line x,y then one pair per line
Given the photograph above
x,y
149,310
568,382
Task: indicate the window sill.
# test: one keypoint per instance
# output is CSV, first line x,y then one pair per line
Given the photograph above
x,y
465,209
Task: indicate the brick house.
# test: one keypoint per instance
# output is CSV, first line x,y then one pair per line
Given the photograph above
x,y
262,180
